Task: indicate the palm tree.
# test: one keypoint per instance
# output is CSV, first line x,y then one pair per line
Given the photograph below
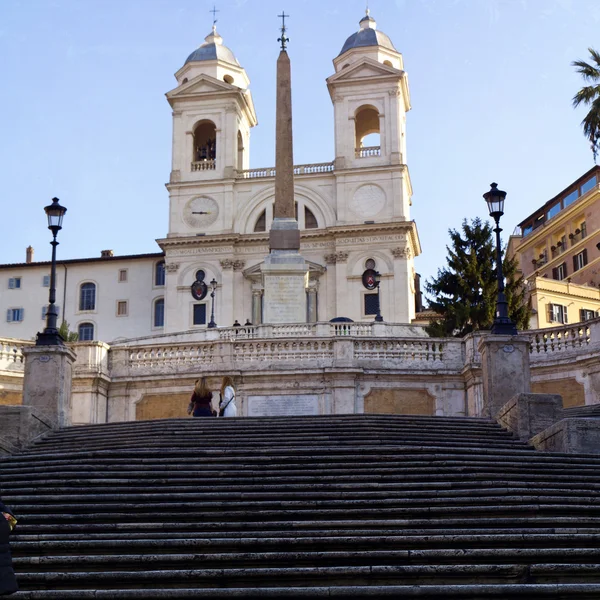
x,y
590,95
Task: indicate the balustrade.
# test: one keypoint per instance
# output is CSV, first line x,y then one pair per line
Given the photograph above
x,y
210,164
368,151
298,170
559,339
11,354
404,350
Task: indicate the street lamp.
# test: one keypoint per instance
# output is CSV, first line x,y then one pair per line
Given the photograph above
x,y
378,317
502,325
213,287
50,336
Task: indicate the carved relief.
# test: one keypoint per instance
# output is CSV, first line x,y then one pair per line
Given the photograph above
x,y
226,264
341,257
172,267
330,259
238,265
395,92
402,252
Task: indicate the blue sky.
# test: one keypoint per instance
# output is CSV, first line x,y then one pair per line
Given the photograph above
x,y
83,114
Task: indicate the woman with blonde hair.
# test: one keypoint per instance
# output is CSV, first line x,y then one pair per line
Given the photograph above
x,y
227,406
200,402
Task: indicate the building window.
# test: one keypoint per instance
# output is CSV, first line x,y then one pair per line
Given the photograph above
x,y
310,221
527,230
559,273
261,222
553,211
586,314
14,283
199,314
159,312
557,313
15,314
570,198
86,332
588,185
122,275
122,308
46,281
87,296
370,304
159,273
580,260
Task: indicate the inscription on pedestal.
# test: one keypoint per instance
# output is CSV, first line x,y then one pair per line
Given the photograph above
x,y
283,406
284,299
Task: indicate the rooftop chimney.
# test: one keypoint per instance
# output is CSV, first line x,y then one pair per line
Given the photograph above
x,y
29,254
106,253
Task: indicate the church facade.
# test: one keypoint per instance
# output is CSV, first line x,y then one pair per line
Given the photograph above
x,y
353,213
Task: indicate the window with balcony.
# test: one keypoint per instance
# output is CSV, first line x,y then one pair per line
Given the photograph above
x,y
580,260
541,258
87,296
367,134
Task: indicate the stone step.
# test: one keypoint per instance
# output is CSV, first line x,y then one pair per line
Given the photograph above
x,y
554,591
445,556
302,576
275,544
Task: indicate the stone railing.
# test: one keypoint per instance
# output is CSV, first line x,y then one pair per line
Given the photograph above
x,y
367,151
11,354
204,165
298,170
568,338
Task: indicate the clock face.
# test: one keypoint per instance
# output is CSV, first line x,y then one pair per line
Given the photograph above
x,y
200,212
368,200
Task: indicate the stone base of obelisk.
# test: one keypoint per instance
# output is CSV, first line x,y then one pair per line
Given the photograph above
x,y
284,282
285,275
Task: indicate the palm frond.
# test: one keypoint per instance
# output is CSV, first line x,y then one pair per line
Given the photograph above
x,y
586,95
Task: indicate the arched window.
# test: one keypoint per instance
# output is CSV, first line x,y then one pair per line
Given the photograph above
x,y
86,332
261,222
159,273
310,221
87,296
388,63
205,142
159,312
367,132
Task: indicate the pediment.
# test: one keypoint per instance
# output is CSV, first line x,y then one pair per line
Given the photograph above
x,y
201,84
367,67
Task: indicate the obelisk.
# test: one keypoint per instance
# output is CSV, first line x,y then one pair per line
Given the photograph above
x,y
285,272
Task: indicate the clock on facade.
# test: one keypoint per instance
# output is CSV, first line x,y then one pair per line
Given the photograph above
x,y
368,200
200,212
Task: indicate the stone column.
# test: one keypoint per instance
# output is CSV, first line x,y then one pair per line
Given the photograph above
x,y
505,370
257,306
47,383
312,302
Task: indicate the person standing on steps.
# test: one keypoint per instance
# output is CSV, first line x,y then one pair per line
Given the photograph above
x,y
201,401
227,407
8,580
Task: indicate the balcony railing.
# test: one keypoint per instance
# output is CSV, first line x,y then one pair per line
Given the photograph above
x,y
368,151
577,236
298,170
210,164
557,250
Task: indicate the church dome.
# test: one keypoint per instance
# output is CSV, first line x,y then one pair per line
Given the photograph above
x,y
213,49
367,35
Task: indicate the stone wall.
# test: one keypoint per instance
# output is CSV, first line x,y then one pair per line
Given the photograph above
x,y
572,392
399,402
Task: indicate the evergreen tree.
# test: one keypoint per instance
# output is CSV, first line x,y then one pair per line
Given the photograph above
x,y
464,292
68,336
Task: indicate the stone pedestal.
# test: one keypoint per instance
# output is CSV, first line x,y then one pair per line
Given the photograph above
x,y
285,275
572,436
527,415
47,383
505,370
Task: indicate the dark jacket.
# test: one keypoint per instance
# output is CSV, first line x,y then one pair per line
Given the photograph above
x,y
8,581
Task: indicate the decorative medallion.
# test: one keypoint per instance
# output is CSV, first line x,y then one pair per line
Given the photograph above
x,y
199,289
368,201
369,279
200,212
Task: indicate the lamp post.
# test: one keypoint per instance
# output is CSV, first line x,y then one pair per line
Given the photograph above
x,y
502,325
378,317
213,286
50,336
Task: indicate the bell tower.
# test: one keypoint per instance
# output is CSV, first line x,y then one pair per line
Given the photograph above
x,y
213,113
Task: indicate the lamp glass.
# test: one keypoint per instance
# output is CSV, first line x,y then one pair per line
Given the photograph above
x,y
55,213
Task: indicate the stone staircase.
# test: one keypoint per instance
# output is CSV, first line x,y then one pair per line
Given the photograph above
x,y
357,506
